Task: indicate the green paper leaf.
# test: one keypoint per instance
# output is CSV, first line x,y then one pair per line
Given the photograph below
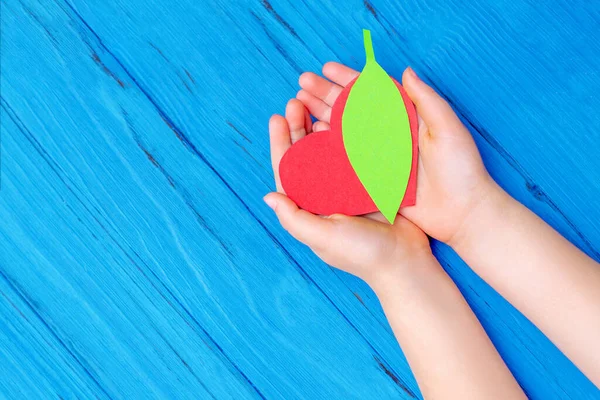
x,y
377,137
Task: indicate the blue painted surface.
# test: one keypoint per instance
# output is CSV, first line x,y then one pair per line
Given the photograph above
x,y
136,257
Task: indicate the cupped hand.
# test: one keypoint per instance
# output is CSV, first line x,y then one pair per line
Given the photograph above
x,y
367,246
452,181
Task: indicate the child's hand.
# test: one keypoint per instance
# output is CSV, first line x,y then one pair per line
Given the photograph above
x,y
451,180
548,279
418,297
367,247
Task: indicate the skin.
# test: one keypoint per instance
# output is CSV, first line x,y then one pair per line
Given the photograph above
x,y
547,278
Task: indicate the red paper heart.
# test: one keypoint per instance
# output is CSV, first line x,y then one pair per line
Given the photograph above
x,y
317,175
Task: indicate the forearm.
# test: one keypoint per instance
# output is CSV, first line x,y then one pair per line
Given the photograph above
x,y
444,343
541,273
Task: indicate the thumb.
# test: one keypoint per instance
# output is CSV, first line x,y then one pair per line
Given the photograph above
x,y
435,111
308,228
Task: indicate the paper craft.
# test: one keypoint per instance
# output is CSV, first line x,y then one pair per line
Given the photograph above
x,y
319,175
316,174
377,136
410,196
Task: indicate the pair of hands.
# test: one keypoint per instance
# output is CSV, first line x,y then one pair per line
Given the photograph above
x,y
452,182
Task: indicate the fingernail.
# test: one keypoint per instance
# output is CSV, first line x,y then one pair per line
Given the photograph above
x,y
271,202
272,121
413,74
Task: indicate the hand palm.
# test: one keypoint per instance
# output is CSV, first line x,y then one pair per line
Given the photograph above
x,y
451,182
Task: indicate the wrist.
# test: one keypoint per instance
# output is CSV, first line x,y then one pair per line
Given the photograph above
x,y
405,275
493,209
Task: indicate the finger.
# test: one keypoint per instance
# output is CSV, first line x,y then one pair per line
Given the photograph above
x,y
308,228
435,111
317,107
339,73
279,133
294,113
321,126
320,87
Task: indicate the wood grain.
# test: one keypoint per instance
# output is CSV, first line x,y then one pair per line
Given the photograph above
x,y
137,259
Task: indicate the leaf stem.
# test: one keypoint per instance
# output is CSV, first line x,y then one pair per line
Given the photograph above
x,y
368,45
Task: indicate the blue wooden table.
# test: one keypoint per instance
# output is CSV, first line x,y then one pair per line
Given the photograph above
x,y
137,259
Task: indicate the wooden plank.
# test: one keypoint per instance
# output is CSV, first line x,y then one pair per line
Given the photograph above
x,y
150,214
86,300
135,158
